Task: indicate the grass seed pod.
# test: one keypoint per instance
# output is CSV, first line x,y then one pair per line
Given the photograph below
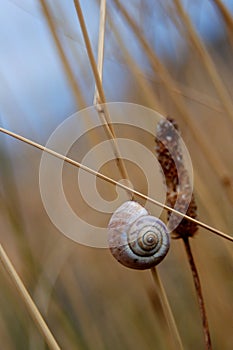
x,y
136,239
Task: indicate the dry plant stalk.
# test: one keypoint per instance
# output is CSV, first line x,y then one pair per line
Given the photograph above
x,y
177,342
168,150
99,97
101,42
102,109
30,305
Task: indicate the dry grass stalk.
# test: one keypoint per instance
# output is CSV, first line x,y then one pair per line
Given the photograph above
x,y
30,305
177,342
100,58
102,111
114,182
201,302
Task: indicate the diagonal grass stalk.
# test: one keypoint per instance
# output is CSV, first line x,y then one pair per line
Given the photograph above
x,y
30,305
167,310
114,182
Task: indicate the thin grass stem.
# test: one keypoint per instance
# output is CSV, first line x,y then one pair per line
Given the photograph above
x,y
30,305
90,53
114,182
167,310
102,111
101,41
200,298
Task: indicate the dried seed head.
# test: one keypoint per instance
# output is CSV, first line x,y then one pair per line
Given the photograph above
x,y
179,189
168,151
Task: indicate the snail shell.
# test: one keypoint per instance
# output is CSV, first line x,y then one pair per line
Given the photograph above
x,y
136,239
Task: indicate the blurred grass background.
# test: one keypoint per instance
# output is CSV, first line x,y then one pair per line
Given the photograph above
x,y
87,298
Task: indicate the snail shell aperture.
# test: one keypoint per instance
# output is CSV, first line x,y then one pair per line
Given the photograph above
x,y
136,239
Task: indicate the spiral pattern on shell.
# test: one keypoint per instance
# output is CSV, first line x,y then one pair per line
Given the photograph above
x,y
136,239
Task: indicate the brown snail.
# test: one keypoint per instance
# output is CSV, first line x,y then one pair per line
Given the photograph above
x,y
136,239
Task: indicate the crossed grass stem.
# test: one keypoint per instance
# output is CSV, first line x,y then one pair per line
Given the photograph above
x,y
114,182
